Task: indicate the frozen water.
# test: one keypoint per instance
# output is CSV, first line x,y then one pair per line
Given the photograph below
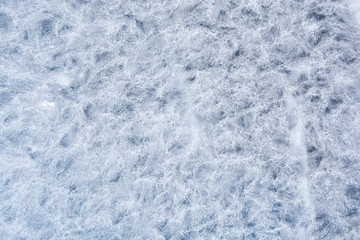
x,y
179,119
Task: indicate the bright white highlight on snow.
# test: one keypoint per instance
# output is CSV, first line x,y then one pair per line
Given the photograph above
x,y
48,104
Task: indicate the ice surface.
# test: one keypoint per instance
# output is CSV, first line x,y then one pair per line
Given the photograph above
x,y
179,119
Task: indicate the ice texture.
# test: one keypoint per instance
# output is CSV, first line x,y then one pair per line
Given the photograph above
x,y
212,119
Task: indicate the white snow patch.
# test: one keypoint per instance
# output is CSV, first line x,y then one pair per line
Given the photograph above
x,y
63,80
297,140
344,80
355,8
297,136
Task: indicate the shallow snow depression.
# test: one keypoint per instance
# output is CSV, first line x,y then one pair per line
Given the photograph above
x,y
179,120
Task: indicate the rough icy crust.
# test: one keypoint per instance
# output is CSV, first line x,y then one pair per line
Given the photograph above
x,y
179,120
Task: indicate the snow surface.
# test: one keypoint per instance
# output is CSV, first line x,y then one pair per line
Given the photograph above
x,y
211,119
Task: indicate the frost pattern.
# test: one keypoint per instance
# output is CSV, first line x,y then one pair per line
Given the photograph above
x,y
179,119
